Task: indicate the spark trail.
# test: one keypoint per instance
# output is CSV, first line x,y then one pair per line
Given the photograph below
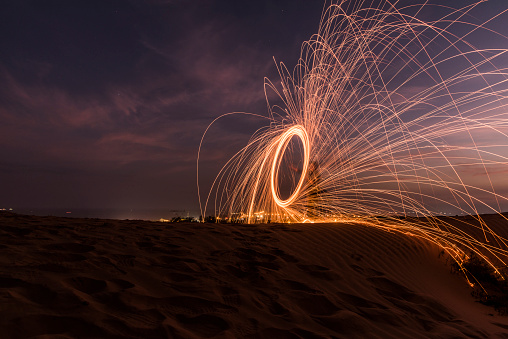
x,y
382,121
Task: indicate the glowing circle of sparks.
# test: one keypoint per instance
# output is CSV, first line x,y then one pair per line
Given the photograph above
x,y
283,142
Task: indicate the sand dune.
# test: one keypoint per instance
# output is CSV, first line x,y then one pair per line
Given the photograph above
x,y
91,278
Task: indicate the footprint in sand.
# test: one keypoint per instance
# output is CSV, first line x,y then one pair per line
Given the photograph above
x,y
55,257
51,267
300,287
320,272
294,333
46,297
268,302
204,325
193,305
121,284
366,271
350,299
123,260
283,255
313,304
181,278
16,231
70,247
30,326
87,285
347,323
230,296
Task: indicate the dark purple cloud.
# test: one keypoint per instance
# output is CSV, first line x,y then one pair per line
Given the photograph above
x,y
103,103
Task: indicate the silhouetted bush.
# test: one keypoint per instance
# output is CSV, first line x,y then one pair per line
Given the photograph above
x,y
489,288
210,218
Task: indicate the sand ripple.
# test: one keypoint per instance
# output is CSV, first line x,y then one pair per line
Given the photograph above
x,y
89,278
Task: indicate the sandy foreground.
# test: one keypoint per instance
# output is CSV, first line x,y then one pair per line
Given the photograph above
x,y
92,278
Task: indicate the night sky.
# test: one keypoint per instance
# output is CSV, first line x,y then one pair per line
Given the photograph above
x,y
103,103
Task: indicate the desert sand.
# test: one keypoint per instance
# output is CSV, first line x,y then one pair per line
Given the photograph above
x,y
92,278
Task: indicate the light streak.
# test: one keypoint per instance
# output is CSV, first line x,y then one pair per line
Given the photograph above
x,y
279,152
392,113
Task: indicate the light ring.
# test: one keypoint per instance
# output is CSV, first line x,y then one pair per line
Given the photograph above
x,y
283,142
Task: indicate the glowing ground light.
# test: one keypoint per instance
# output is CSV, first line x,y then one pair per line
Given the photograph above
x,y
285,138
404,117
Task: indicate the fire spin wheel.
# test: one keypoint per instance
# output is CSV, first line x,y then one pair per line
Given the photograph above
x,y
283,141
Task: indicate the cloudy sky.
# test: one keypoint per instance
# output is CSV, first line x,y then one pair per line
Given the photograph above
x,y
103,103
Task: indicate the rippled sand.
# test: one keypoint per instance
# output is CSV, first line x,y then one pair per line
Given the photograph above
x,y
92,278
